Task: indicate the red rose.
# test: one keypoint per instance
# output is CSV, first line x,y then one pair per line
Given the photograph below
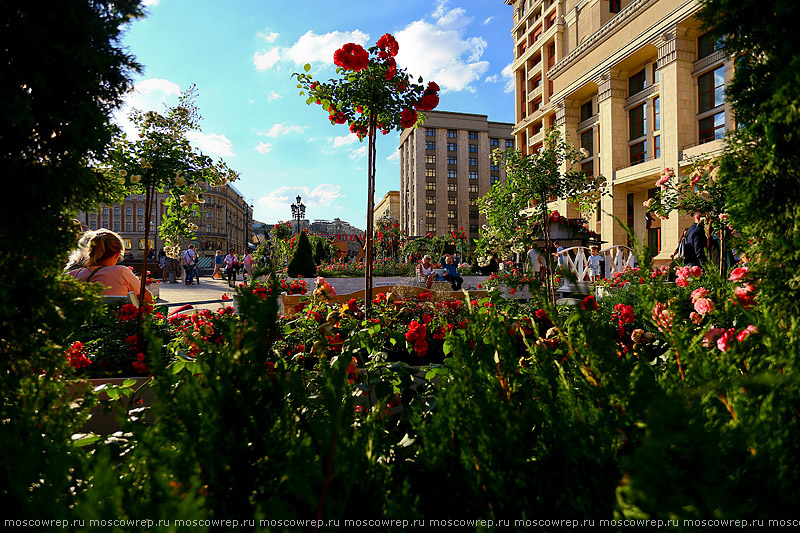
x,y
351,57
428,102
389,45
432,87
589,303
408,118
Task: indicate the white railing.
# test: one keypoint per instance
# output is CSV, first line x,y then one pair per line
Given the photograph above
x,y
616,258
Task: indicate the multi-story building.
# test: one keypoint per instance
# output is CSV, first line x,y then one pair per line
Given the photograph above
x,y
637,83
225,221
388,207
445,166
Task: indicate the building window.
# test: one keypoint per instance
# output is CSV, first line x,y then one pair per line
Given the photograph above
x,y
637,122
140,226
452,201
128,244
711,89
473,148
430,159
430,228
588,168
657,146
452,214
452,187
638,152
208,228
116,210
494,142
93,225
452,227
712,127
430,213
430,186
656,113
707,45
129,226
116,226
473,215
473,161
208,214
473,188
452,173
430,172
473,228
614,6
586,111
493,180
452,147
587,142
430,132
430,200
656,76
473,174
509,143
140,211
473,202
105,211
430,145
494,167
452,134
473,135
636,83
128,211
452,160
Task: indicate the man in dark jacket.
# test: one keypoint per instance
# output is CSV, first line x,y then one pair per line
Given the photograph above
x,y
695,249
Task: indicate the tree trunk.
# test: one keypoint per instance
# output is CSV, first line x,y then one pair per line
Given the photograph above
x,y
371,131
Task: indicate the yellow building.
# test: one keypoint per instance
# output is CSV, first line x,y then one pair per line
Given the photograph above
x,y
388,207
637,83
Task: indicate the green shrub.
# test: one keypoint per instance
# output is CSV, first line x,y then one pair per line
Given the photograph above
x,y
302,262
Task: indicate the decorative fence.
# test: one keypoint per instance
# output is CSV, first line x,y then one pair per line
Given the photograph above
x,y
616,258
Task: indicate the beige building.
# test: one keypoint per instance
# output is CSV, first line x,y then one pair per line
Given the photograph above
x,y
634,82
225,221
388,207
445,166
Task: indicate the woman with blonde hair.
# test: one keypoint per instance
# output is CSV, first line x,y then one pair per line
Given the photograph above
x,y
99,252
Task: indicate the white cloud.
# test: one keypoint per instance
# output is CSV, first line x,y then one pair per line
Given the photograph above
x,y
347,140
395,156
151,2
211,143
309,48
269,37
322,195
263,147
494,78
273,96
441,52
357,153
265,60
508,75
280,129
147,95
487,21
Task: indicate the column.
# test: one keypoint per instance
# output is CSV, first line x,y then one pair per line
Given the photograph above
x,y
612,152
567,118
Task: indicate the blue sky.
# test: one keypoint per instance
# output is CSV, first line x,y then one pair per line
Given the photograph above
x,y
241,54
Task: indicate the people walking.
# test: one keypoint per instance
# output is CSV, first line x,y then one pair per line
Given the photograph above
x,y
695,249
189,258
231,266
219,262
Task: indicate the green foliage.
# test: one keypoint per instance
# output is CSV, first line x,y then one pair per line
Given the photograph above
x,y
302,262
64,73
760,170
530,181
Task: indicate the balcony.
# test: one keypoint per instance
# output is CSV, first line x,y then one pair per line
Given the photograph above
x,y
532,95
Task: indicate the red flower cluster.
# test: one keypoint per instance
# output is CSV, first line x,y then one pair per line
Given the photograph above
x,y
337,117
589,303
430,98
388,46
139,365
76,357
416,334
351,56
408,118
128,312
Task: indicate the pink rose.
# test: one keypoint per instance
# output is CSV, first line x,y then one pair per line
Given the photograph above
x,y
661,181
744,290
704,306
695,271
682,282
700,292
711,336
697,318
738,273
725,339
742,335
682,272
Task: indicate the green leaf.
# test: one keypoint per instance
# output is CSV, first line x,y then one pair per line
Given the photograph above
x,y
113,393
307,67
86,440
177,366
129,383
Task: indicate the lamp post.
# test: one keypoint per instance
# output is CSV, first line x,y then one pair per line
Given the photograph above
x,y
298,211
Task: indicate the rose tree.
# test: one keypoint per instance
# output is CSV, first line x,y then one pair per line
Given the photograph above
x,y
371,93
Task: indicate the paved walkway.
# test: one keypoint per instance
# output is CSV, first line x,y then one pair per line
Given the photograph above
x,y
209,292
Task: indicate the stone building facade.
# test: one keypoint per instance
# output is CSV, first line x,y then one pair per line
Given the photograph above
x,y
388,207
637,83
445,166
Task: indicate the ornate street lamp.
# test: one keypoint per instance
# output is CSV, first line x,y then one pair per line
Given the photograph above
x,y
298,211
